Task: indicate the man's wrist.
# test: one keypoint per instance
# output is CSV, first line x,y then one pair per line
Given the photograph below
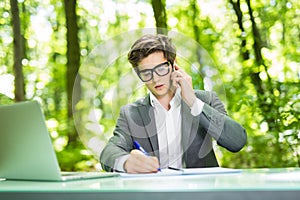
x,y
120,162
191,101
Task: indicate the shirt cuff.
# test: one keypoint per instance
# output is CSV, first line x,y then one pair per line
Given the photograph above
x,y
197,107
119,163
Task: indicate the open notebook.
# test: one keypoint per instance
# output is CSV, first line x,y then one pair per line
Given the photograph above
x,y
26,151
185,171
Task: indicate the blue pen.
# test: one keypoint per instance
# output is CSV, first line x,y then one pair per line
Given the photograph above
x,y
139,147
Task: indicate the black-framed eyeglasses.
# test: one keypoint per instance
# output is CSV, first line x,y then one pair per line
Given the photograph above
x,y
160,69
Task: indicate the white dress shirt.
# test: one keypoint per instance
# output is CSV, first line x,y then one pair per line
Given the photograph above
x,y
168,125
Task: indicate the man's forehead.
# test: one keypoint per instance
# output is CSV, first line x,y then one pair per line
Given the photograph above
x,y
151,65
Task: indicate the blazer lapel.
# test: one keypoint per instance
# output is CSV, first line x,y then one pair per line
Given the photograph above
x,y
146,112
186,126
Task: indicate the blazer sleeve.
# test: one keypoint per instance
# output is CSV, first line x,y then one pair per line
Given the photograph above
x,y
118,145
227,132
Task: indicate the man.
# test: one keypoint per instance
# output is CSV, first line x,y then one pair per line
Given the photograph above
x,y
174,123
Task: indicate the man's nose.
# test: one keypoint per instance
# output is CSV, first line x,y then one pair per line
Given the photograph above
x,y
155,77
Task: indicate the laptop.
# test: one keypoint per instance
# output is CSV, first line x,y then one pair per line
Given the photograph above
x,y
26,151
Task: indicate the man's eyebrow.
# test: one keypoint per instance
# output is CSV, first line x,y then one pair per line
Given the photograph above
x,y
159,64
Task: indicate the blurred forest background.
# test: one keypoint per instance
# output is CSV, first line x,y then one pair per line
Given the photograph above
x,y
253,45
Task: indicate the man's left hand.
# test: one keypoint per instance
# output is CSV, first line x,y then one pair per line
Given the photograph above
x,y
181,79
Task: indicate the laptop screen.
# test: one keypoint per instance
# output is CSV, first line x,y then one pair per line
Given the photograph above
x,y
26,150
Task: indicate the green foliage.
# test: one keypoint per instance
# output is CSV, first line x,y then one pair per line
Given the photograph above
x,y
271,117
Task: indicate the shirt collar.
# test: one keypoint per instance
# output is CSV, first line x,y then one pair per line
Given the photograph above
x,y
175,101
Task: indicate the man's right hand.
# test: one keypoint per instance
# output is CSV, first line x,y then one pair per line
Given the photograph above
x,y
140,163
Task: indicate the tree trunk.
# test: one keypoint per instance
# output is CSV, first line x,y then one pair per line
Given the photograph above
x,y
195,16
73,63
18,47
254,74
159,9
237,8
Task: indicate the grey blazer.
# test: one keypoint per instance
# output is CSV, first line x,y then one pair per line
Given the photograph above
x,y
136,122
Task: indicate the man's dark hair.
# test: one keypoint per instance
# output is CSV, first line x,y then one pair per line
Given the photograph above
x,y
149,44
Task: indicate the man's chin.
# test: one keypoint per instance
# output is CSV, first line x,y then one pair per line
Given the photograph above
x,y
161,93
